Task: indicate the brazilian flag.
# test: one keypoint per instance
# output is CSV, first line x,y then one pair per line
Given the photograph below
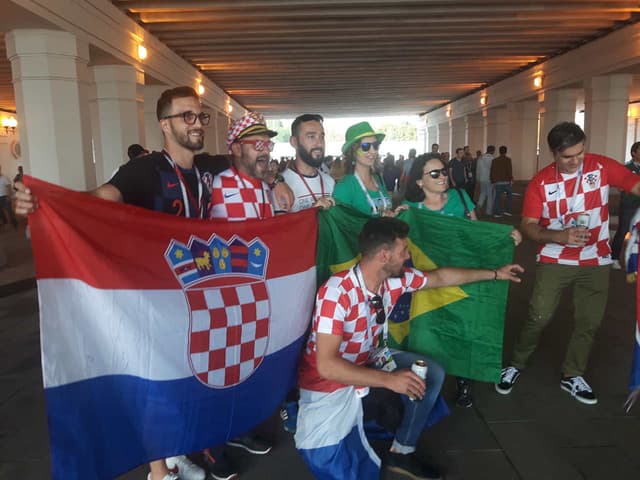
x,y
460,327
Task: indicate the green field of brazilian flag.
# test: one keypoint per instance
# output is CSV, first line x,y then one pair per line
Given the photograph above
x,y
460,327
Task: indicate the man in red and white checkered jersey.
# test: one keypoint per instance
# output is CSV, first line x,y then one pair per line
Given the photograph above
x,y
240,192
566,211
347,353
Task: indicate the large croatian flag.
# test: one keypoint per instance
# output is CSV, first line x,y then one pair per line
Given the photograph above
x,y
163,335
631,261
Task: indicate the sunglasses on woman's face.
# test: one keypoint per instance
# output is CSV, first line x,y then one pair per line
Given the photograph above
x,y
436,173
366,146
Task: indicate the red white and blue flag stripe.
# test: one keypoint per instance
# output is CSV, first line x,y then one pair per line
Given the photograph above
x,y
631,261
162,335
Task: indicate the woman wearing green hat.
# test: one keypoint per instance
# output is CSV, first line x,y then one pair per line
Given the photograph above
x,y
362,188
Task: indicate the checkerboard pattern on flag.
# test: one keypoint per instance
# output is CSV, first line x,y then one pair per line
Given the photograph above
x,y
230,331
159,333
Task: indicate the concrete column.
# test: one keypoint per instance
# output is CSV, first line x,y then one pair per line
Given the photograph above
x,y
523,136
152,132
221,131
210,131
117,116
432,137
497,127
555,106
475,132
458,134
51,83
444,137
606,104
422,138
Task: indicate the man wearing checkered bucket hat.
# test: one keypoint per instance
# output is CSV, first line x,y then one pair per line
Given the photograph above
x,y
240,192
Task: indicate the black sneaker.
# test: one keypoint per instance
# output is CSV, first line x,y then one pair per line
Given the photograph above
x,y
463,394
579,389
411,467
219,468
508,378
251,444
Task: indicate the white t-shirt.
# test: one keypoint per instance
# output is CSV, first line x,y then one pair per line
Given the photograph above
x,y
307,190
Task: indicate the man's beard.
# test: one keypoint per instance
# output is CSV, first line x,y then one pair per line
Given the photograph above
x,y
307,156
184,140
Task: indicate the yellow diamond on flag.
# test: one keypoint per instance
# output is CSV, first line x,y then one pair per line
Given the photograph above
x,y
426,300
339,267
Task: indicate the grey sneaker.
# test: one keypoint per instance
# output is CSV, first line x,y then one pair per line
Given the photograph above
x,y
579,389
508,378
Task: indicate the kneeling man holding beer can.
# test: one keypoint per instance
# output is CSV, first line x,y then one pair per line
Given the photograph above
x,y
347,353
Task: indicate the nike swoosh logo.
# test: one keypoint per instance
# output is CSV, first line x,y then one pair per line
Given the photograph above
x,y
172,185
551,193
227,195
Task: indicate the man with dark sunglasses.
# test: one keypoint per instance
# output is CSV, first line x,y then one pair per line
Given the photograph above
x,y
347,354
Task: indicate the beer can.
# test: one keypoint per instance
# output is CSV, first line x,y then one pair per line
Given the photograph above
x,y
582,220
419,367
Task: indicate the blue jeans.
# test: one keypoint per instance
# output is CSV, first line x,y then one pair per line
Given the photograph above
x,y
500,188
416,413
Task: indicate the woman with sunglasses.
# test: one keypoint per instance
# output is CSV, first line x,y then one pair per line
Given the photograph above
x,y
362,187
428,188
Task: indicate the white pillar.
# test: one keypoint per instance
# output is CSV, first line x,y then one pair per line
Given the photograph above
x,y
116,116
422,139
444,137
522,144
497,127
555,106
458,134
152,132
475,132
432,131
605,115
51,83
210,143
223,123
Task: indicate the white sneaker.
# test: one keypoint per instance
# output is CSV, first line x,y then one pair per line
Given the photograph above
x,y
185,468
168,476
616,265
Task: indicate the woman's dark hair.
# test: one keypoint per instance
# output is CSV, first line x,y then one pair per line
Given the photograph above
x,y
350,158
414,193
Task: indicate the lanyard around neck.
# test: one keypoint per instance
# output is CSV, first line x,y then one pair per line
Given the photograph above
x,y
365,293
304,180
571,201
374,208
188,199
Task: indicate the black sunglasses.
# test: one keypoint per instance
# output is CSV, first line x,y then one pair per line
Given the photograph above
x,y
190,117
436,173
376,303
366,146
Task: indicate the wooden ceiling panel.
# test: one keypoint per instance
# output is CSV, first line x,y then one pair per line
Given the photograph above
x,y
372,56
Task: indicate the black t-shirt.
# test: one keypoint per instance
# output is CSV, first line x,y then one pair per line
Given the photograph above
x,y
151,182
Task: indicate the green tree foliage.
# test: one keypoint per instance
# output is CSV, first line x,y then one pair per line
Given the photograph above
x,y
403,131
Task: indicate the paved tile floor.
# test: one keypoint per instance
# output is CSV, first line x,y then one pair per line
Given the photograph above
x,y
538,432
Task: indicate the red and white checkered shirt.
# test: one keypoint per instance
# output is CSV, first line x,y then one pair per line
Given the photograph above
x,y
342,309
236,197
550,199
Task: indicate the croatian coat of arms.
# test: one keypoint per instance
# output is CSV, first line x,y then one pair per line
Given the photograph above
x,y
224,284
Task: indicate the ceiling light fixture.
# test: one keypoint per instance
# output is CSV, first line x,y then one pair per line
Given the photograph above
x,y
537,80
142,52
10,124
200,89
483,99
